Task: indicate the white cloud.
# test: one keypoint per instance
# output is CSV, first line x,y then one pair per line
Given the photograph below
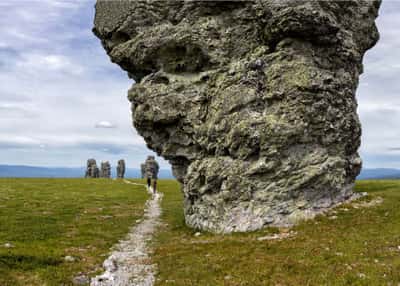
x,y
17,110
18,141
65,4
105,124
37,63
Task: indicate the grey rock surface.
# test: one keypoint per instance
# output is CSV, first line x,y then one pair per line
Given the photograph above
x,y
81,280
92,171
105,171
252,102
121,169
143,170
69,258
151,168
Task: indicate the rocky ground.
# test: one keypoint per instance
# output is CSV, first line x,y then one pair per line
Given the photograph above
x,y
129,263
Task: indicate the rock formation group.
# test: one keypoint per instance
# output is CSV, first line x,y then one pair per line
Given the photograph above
x,y
92,171
252,102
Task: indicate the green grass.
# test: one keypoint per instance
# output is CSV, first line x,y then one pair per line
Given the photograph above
x,y
360,247
48,219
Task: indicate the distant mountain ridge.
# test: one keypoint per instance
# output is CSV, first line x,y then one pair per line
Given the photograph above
x,y
379,173
16,171
20,171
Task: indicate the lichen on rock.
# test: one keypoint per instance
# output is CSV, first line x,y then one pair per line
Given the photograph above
x,y
252,102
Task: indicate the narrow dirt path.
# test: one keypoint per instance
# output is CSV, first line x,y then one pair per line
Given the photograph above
x,y
129,264
136,184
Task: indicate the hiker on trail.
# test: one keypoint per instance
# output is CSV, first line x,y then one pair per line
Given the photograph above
x,y
151,171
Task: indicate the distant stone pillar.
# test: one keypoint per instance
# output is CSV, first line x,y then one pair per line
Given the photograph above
x,y
105,171
96,172
121,169
91,169
101,170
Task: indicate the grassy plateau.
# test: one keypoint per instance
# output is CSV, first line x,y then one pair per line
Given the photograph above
x,y
352,245
45,220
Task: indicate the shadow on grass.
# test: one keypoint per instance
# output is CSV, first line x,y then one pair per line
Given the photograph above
x,y
27,262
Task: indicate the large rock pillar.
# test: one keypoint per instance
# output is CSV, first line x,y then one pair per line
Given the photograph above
x,y
252,102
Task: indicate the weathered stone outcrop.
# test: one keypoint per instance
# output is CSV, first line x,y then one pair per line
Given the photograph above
x,y
252,102
121,169
105,171
151,168
92,171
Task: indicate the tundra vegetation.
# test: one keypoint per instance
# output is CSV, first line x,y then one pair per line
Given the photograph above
x,y
44,220
51,230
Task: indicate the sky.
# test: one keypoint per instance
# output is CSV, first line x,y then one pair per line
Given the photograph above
x,y
62,101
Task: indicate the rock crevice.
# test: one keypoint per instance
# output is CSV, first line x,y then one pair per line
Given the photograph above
x,y
252,102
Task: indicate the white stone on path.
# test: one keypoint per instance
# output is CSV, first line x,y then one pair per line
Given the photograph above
x,y
129,263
